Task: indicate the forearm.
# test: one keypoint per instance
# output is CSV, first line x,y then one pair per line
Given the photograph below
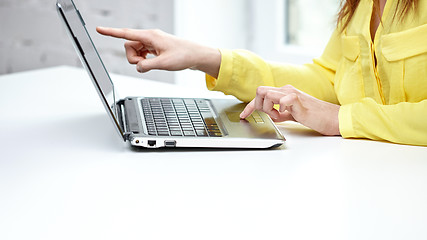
x,y
401,123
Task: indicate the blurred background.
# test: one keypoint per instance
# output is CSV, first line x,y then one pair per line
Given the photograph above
x,y
294,31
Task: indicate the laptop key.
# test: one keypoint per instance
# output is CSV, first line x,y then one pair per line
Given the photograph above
x,y
162,129
201,133
163,133
176,133
189,133
212,127
215,134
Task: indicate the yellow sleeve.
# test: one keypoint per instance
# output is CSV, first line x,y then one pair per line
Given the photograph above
x,y
241,72
403,123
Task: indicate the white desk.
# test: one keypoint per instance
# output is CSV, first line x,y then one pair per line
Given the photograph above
x,y
65,174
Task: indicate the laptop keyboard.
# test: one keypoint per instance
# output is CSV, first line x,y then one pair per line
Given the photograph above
x,y
179,117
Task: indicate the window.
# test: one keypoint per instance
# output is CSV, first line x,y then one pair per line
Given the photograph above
x,y
292,30
309,23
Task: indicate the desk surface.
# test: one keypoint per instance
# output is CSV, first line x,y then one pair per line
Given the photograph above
x,y
65,174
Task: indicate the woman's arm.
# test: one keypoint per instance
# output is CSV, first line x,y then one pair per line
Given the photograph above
x,y
403,123
241,72
171,53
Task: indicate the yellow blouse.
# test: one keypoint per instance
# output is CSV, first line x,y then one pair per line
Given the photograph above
x,y
383,101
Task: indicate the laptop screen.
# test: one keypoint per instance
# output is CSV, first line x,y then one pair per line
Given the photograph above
x,y
89,56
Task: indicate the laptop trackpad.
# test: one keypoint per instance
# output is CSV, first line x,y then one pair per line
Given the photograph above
x,y
253,118
233,116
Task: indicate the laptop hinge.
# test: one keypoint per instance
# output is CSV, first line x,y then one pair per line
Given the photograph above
x,y
121,116
128,117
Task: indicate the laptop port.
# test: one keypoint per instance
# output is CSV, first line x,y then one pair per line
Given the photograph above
x,y
151,143
170,143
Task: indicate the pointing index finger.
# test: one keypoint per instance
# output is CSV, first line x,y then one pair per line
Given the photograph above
x,y
123,33
249,109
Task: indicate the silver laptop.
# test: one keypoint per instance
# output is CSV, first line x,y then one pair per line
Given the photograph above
x,y
168,122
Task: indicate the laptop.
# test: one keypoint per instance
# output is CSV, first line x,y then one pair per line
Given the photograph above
x,y
168,122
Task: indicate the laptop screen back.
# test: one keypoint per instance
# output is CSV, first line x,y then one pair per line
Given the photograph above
x,y
89,56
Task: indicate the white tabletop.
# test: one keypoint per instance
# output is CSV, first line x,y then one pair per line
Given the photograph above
x,y
65,174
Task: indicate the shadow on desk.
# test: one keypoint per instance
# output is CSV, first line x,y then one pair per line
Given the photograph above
x,y
138,149
293,128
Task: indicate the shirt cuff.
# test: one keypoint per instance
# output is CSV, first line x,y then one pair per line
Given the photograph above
x,y
346,121
225,72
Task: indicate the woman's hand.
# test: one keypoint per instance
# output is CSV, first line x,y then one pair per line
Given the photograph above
x,y
171,53
297,106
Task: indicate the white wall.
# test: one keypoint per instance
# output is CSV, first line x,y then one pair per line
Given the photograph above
x,y
218,23
32,35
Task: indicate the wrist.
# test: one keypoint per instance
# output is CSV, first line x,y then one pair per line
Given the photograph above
x,y
334,129
208,60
